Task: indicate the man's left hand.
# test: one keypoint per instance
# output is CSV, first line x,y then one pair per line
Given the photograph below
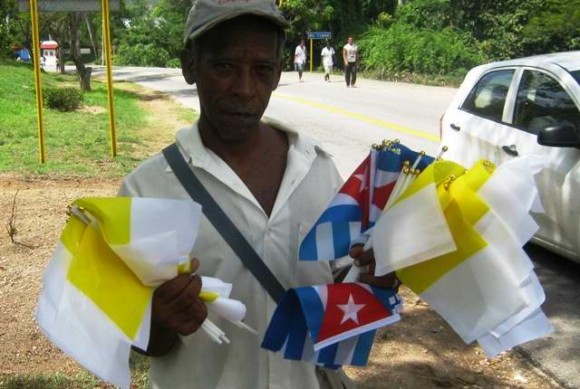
x,y
366,258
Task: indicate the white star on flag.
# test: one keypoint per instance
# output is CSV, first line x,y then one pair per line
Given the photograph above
x,y
350,310
363,179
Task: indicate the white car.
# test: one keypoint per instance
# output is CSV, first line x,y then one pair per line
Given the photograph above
x,y
519,107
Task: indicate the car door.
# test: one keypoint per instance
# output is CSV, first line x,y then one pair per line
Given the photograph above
x,y
473,127
545,97
496,120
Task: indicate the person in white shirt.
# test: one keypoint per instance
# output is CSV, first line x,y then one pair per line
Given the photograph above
x,y
300,59
271,181
327,55
350,57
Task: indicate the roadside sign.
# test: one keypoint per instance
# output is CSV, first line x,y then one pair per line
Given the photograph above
x,y
68,5
319,35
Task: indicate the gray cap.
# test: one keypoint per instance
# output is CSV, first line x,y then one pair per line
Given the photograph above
x,y
206,14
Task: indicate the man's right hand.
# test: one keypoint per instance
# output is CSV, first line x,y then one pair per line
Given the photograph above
x,y
176,309
176,303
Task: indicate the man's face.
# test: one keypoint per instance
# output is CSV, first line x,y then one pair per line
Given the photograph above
x,y
350,41
236,73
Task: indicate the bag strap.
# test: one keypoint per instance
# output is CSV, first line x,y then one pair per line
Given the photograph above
x,y
222,222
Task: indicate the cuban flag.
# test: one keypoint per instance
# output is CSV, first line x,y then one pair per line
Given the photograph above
x,y
333,324
359,202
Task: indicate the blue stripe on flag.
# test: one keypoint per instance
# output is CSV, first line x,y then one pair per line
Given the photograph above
x,y
327,355
276,335
341,238
296,337
341,213
308,249
363,348
312,309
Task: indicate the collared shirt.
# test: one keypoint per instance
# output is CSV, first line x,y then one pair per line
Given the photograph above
x,y
309,182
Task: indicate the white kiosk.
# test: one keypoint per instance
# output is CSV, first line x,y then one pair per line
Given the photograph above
x,y
49,50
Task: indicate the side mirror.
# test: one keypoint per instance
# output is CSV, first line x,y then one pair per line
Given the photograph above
x,y
559,135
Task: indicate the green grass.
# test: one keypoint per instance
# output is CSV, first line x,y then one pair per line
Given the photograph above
x,y
77,144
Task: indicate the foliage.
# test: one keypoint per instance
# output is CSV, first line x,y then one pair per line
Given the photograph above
x,y
555,27
11,32
403,48
154,36
65,99
461,32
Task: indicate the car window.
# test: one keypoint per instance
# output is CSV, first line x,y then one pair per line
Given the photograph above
x,y
576,75
542,101
487,98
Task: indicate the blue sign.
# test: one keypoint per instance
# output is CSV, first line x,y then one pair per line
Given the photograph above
x,y
320,35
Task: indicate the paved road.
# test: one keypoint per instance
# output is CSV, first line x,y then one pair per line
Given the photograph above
x,y
347,121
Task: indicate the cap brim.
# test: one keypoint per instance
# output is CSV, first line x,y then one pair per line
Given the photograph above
x,y
279,21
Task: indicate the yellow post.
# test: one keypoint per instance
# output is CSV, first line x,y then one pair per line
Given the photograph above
x,y
311,58
107,53
36,63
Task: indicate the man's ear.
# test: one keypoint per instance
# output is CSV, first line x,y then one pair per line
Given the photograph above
x,y
188,66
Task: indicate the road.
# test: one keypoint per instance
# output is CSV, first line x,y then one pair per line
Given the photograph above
x,y
348,121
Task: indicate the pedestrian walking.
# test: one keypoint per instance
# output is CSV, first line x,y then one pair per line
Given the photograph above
x,y
350,57
300,59
327,55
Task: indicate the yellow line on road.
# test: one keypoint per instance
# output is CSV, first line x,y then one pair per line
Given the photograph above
x,y
357,116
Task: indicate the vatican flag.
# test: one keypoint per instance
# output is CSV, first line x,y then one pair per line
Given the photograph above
x,y
485,286
97,289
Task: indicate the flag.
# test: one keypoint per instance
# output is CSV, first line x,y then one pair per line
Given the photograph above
x,y
358,203
332,325
414,228
97,289
485,287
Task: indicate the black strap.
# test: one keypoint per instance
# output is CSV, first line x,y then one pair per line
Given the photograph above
x,y
222,223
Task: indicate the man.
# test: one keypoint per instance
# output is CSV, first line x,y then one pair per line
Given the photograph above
x,y
350,57
327,55
271,182
300,59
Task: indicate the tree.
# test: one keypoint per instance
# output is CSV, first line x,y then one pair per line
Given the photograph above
x,y
554,27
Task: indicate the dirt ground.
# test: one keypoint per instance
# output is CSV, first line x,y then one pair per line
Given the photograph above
x,y
420,351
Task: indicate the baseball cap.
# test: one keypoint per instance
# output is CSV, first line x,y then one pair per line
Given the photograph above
x,y
206,14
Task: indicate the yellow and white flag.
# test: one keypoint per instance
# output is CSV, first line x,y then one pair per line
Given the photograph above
x,y
98,287
484,286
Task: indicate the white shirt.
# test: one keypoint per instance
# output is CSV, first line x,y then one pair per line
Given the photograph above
x,y
351,51
300,55
326,54
310,180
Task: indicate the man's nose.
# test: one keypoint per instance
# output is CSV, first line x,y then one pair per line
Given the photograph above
x,y
244,83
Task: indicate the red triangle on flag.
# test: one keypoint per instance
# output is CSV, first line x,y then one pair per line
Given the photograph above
x,y
351,309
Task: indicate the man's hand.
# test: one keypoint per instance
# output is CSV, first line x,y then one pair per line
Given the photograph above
x,y
176,303
367,258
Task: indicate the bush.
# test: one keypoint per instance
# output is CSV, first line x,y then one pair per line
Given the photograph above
x,y
403,48
63,99
141,55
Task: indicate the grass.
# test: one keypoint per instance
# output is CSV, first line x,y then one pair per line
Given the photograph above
x,y
77,144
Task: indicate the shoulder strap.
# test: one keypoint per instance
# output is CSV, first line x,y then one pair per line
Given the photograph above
x,y
222,223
